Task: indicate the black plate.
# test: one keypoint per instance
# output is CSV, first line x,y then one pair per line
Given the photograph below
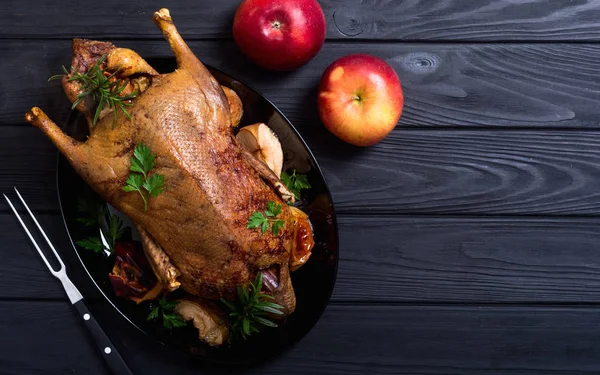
x,y
313,282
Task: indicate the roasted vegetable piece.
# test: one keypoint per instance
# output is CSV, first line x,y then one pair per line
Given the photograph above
x,y
131,276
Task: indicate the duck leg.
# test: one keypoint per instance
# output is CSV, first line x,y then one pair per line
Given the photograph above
x,y
165,272
284,292
73,150
268,176
184,55
186,60
128,63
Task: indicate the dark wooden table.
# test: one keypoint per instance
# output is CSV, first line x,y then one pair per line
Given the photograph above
x,y
470,237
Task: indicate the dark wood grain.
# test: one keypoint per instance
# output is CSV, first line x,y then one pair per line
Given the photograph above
x,y
533,85
411,172
468,238
467,172
45,338
499,260
27,156
447,20
395,259
348,340
22,272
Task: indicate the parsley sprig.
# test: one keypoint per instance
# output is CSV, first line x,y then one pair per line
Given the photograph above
x,y
164,310
251,310
262,220
92,211
142,162
93,243
98,84
95,214
295,182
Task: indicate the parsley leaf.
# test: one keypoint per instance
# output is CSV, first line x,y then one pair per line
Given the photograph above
x,y
143,159
95,214
273,209
142,162
155,185
153,313
115,231
133,182
91,243
257,220
295,182
167,305
92,212
164,311
173,320
277,225
136,166
115,227
263,219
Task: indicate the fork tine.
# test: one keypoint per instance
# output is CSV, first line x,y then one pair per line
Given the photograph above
x,y
62,265
30,236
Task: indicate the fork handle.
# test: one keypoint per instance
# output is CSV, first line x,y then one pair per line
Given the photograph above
x,y
113,359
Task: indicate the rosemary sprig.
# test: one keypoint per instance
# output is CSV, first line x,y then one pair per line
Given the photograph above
x,y
251,310
98,84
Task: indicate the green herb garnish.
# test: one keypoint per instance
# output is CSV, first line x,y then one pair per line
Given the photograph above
x,y
115,229
93,243
295,182
99,85
138,180
95,214
263,219
165,310
251,310
92,212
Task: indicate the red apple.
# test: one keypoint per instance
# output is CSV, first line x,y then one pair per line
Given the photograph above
x,y
279,34
360,99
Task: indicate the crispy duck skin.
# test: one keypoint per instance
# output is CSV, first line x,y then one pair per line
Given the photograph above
x,y
211,185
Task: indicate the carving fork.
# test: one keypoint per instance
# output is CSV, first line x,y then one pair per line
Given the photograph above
x,y
113,359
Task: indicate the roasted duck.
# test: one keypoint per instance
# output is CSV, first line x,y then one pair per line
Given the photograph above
x,y
195,233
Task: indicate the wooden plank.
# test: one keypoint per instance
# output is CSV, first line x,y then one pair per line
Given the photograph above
x,y
348,340
473,260
466,172
28,161
22,272
395,259
45,338
448,20
412,172
445,85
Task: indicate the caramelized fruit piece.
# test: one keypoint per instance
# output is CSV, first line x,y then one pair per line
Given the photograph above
x,y
263,144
